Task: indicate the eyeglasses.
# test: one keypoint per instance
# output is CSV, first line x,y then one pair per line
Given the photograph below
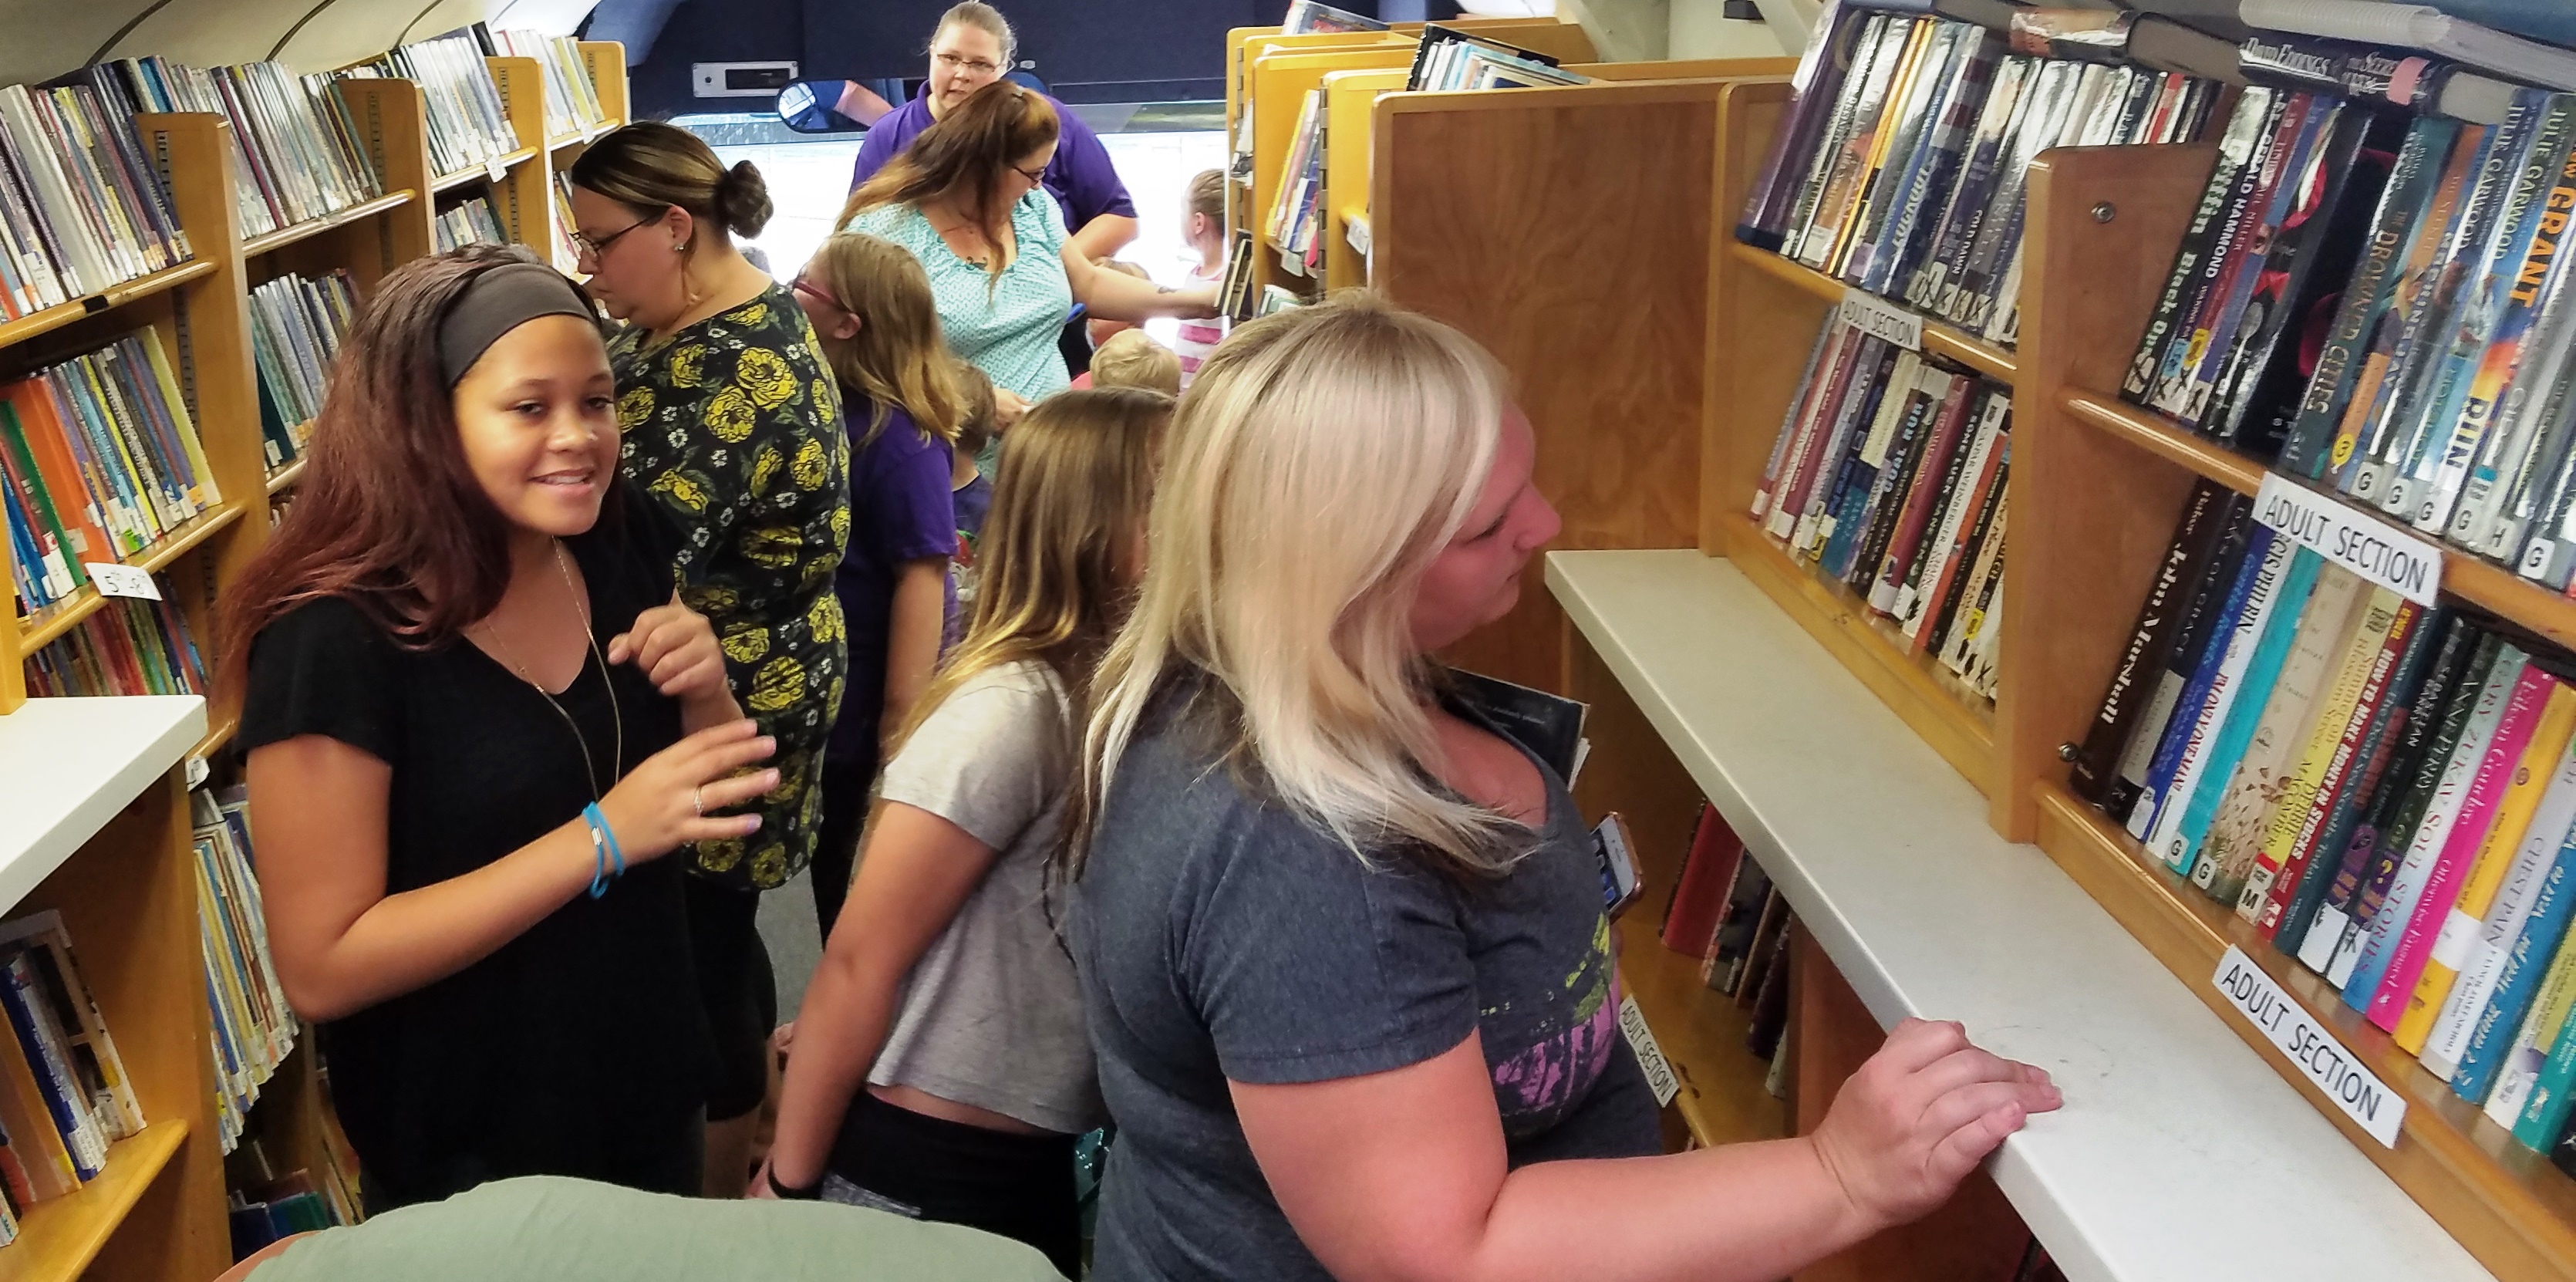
x,y
971,66
816,293
595,248
1038,176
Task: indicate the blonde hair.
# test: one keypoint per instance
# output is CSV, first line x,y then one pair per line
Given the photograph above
x,y
1131,359
966,152
1323,457
1070,498
898,357
1207,195
985,18
981,417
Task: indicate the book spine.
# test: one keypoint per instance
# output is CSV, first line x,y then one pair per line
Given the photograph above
x,y
2366,957
2418,366
2246,131
2334,726
2290,130
2524,1055
2205,752
2354,780
1933,473
2529,960
1984,475
2154,751
2235,835
41,1045
1802,411
2447,865
2150,639
1971,556
2363,422
2483,439
2486,871
1966,199
2517,894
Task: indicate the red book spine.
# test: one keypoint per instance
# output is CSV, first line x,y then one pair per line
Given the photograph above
x,y
1699,897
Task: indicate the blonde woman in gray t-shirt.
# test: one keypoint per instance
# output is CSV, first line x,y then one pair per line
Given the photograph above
x,y
944,990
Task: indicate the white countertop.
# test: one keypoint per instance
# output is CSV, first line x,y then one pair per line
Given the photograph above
x,y
2180,1155
67,766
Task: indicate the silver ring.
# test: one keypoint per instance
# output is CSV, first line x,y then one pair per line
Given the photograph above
x,y
697,801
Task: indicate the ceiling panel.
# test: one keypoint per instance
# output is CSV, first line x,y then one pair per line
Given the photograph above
x,y
49,37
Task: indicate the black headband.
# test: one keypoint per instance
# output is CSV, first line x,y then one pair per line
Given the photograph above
x,y
501,300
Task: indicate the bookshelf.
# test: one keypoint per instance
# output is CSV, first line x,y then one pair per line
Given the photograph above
x,y
94,823
2095,486
1350,104
1285,78
1518,216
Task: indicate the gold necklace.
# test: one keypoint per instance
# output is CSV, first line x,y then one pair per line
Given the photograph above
x,y
510,659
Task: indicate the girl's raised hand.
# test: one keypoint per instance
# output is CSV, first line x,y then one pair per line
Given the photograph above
x,y
675,647
673,797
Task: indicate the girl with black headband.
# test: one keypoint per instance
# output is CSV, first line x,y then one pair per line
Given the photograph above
x,y
477,718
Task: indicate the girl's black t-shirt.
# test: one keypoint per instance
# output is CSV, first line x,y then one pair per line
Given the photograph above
x,y
579,1047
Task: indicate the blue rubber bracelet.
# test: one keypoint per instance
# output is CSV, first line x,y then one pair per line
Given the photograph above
x,y
603,843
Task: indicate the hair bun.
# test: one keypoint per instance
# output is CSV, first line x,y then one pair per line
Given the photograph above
x,y
742,199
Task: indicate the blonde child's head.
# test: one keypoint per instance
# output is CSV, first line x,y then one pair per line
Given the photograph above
x,y
979,425
872,309
1130,359
1101,330
1204,224
1063,545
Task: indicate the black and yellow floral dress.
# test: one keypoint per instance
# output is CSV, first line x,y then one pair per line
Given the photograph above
x,y
734,424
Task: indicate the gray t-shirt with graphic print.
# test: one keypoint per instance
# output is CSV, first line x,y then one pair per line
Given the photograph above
x,y
1218,936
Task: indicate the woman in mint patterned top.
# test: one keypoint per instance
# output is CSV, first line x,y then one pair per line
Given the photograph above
x,y
965,199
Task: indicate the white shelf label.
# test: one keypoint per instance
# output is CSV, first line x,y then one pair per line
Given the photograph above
x,y
496,170
1879,318
123,580
2326,1062
1650,1057
2379,552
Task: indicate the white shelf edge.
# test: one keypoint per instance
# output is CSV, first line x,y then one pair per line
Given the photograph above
x,y
2179,1145
67,766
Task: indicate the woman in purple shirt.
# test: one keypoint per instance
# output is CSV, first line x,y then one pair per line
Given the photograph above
x,y
871,307
972,48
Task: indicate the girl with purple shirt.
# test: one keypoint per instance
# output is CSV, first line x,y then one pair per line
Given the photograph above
x,y
871,307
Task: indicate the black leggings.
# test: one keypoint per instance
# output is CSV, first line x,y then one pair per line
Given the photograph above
x,y
738,990
1017,1186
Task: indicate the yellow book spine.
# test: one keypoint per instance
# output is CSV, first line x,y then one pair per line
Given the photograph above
x,y
2365,635
2531,777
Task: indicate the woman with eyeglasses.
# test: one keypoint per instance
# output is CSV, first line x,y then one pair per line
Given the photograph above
x,y
968,200
733,425
972,47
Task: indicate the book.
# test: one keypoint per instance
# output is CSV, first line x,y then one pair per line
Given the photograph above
x,y
1699,894
2482,959
2149,642
468,128
2331,735
2276,588
2496,857
2418,26
1735,925
1901,165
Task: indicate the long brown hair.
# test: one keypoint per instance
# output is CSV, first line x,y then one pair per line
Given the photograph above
x,y
968,152
389,516
898,357
1069,505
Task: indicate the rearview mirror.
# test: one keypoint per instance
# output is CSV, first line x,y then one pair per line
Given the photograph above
x,y
830,106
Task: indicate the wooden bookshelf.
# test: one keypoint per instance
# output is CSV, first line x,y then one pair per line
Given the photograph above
x,y
1350,104
94,823
1281,80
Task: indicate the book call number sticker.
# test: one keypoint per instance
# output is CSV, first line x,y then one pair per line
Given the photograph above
x,y
123,580
2380,553
2324,1061
1879,318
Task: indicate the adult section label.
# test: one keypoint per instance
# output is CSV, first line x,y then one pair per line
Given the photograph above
x,y
2379,552
2326,1062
